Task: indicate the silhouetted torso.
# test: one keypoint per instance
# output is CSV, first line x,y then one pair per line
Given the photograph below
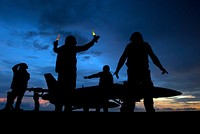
x,y
137,56
105,78
66,58
20,79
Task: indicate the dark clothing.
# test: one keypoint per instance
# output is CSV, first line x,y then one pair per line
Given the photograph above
x,y
18,86
139,79
20,79
105,78
66,56
105,85
137,57
66,68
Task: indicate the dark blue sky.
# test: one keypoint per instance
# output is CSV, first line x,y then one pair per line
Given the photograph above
x,y
29,27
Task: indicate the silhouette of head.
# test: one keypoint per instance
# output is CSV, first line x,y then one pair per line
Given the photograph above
x,y
106,68
23,66
136,37
70,40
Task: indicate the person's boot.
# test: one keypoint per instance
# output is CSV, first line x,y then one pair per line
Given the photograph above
x,y
17,106
9,103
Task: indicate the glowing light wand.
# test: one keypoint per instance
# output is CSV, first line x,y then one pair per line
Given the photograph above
x,y
94,35
58,37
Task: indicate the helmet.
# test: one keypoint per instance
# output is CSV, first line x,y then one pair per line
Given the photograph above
x,y
70,40
24,65
106,68
136,36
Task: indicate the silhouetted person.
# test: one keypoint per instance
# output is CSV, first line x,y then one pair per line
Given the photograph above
x,y
139,80
105,83
18,86
66,67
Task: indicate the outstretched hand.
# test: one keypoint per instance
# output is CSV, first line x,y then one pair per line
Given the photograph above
x,y
55,43
96,38
164,71
86,77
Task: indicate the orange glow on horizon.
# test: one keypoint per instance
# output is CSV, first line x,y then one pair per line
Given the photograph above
x,y
160,104
3,99
169,104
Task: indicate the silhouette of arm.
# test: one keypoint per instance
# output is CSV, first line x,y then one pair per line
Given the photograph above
x,y
121,62
155,59
55,46
88,45
28,76
97,75
15,67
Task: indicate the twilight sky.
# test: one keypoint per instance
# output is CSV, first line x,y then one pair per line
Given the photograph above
x,y
29,27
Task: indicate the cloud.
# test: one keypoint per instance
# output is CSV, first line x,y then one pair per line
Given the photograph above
x,y
63,14
40,46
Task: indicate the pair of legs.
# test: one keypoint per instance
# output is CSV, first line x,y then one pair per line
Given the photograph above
x,y
65,91
64,100
97,104
139,85
11,96
129,105
103,98
105,103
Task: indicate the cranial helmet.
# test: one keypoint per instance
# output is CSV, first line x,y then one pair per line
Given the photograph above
x,y
70,40
24,65
106,68
136,36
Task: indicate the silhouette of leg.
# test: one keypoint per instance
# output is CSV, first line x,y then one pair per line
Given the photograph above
x,y
97,109
148,104
128,106
68,108
67,103
85,109
19,100
99,105
105,109
58,107
36,101
10,100
106,103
